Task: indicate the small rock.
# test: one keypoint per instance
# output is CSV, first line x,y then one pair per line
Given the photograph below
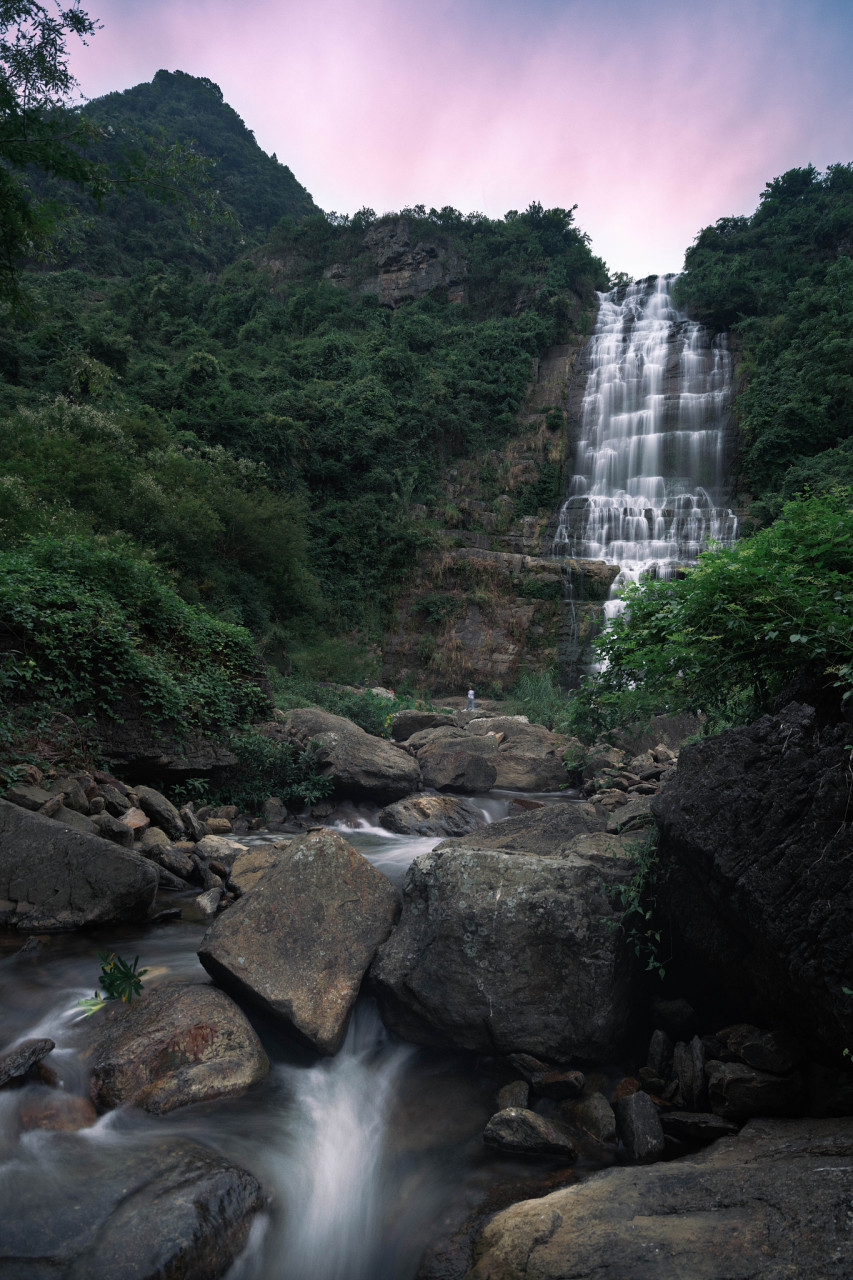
x,y
110,828
96,805
194,829
73,795
51,807
227,811
659,1056
739,1092
514,1094
591,1115
180,864
207,904
217,826
115,801
161,812
639,1127
77,821
220,849
558,1084
695,1127
688,1067
153,839
520,1131
136,820
17,1062
626,1086
774,1051
27,796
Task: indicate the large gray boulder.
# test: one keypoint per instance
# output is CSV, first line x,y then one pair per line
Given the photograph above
x,y
362,766
53,877
772,1202
300,942
757,846
509,953
451,763
176,1044
529,757
548,832
137,1209
425,815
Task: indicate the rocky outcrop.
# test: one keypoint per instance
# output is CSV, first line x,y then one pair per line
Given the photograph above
x,y
53,877
772,1202
362,766
550,832
176,1044
508,952
159,1207
757,843
407,266
299,943
425,815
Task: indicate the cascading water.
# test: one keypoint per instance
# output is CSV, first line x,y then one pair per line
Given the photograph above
x,y
648,491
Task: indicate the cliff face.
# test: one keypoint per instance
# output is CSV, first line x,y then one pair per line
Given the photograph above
x,y
489,601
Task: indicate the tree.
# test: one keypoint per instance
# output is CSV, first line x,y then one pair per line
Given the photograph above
x,y
45,134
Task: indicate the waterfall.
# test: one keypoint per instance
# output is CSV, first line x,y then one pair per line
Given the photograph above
x,y
649,486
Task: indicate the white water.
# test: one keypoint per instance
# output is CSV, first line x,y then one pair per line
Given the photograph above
x,y
649,483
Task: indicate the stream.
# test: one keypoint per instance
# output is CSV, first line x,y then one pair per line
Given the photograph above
x,y
363,1153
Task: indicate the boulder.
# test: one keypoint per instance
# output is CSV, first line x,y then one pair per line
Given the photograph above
x,y
459,764
738,1092
771,1202
638,1125
406,723
110,828
148,1207
53,878
756,847
424,815
530,757
300,942
508,953
176,1044
550,832
160,811
362,766
523,1132
251,865
26,796
219,849
591,1116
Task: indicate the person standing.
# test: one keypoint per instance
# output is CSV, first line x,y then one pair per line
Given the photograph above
x,y
470,699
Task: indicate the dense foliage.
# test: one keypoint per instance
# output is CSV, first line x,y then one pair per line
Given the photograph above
x,y
730,635
782,279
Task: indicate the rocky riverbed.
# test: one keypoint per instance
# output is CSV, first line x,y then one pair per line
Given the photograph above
x,y
463,1068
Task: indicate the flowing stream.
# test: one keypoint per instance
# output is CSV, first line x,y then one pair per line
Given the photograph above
x,y
363,1153
649,488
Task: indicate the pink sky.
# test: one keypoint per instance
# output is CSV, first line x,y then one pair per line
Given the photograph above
x,y
655,117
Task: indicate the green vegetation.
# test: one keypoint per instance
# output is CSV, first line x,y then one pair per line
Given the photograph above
x,y
636,901
782,280
118,979
728,637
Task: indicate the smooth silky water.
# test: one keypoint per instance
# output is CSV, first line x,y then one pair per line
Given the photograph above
x,y
362,1153
649,485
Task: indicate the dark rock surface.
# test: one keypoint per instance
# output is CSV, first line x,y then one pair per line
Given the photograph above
x,y
362,766
524,1132
549,831
638,1125
176,1044
736,1091
459,764
508,953
757,838
16,1062
53,878
299,943
773,1202
163,1207
424,815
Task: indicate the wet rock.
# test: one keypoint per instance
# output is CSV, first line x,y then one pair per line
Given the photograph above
x,y
771,1202
514,1094
300,942
161,812
738,1092
160,1207
361,766
423,815
523,1132
16,1062
52,878
548,832
591,1116
774,1051
508,953
757,845
56,1111
178,1043
639,1127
